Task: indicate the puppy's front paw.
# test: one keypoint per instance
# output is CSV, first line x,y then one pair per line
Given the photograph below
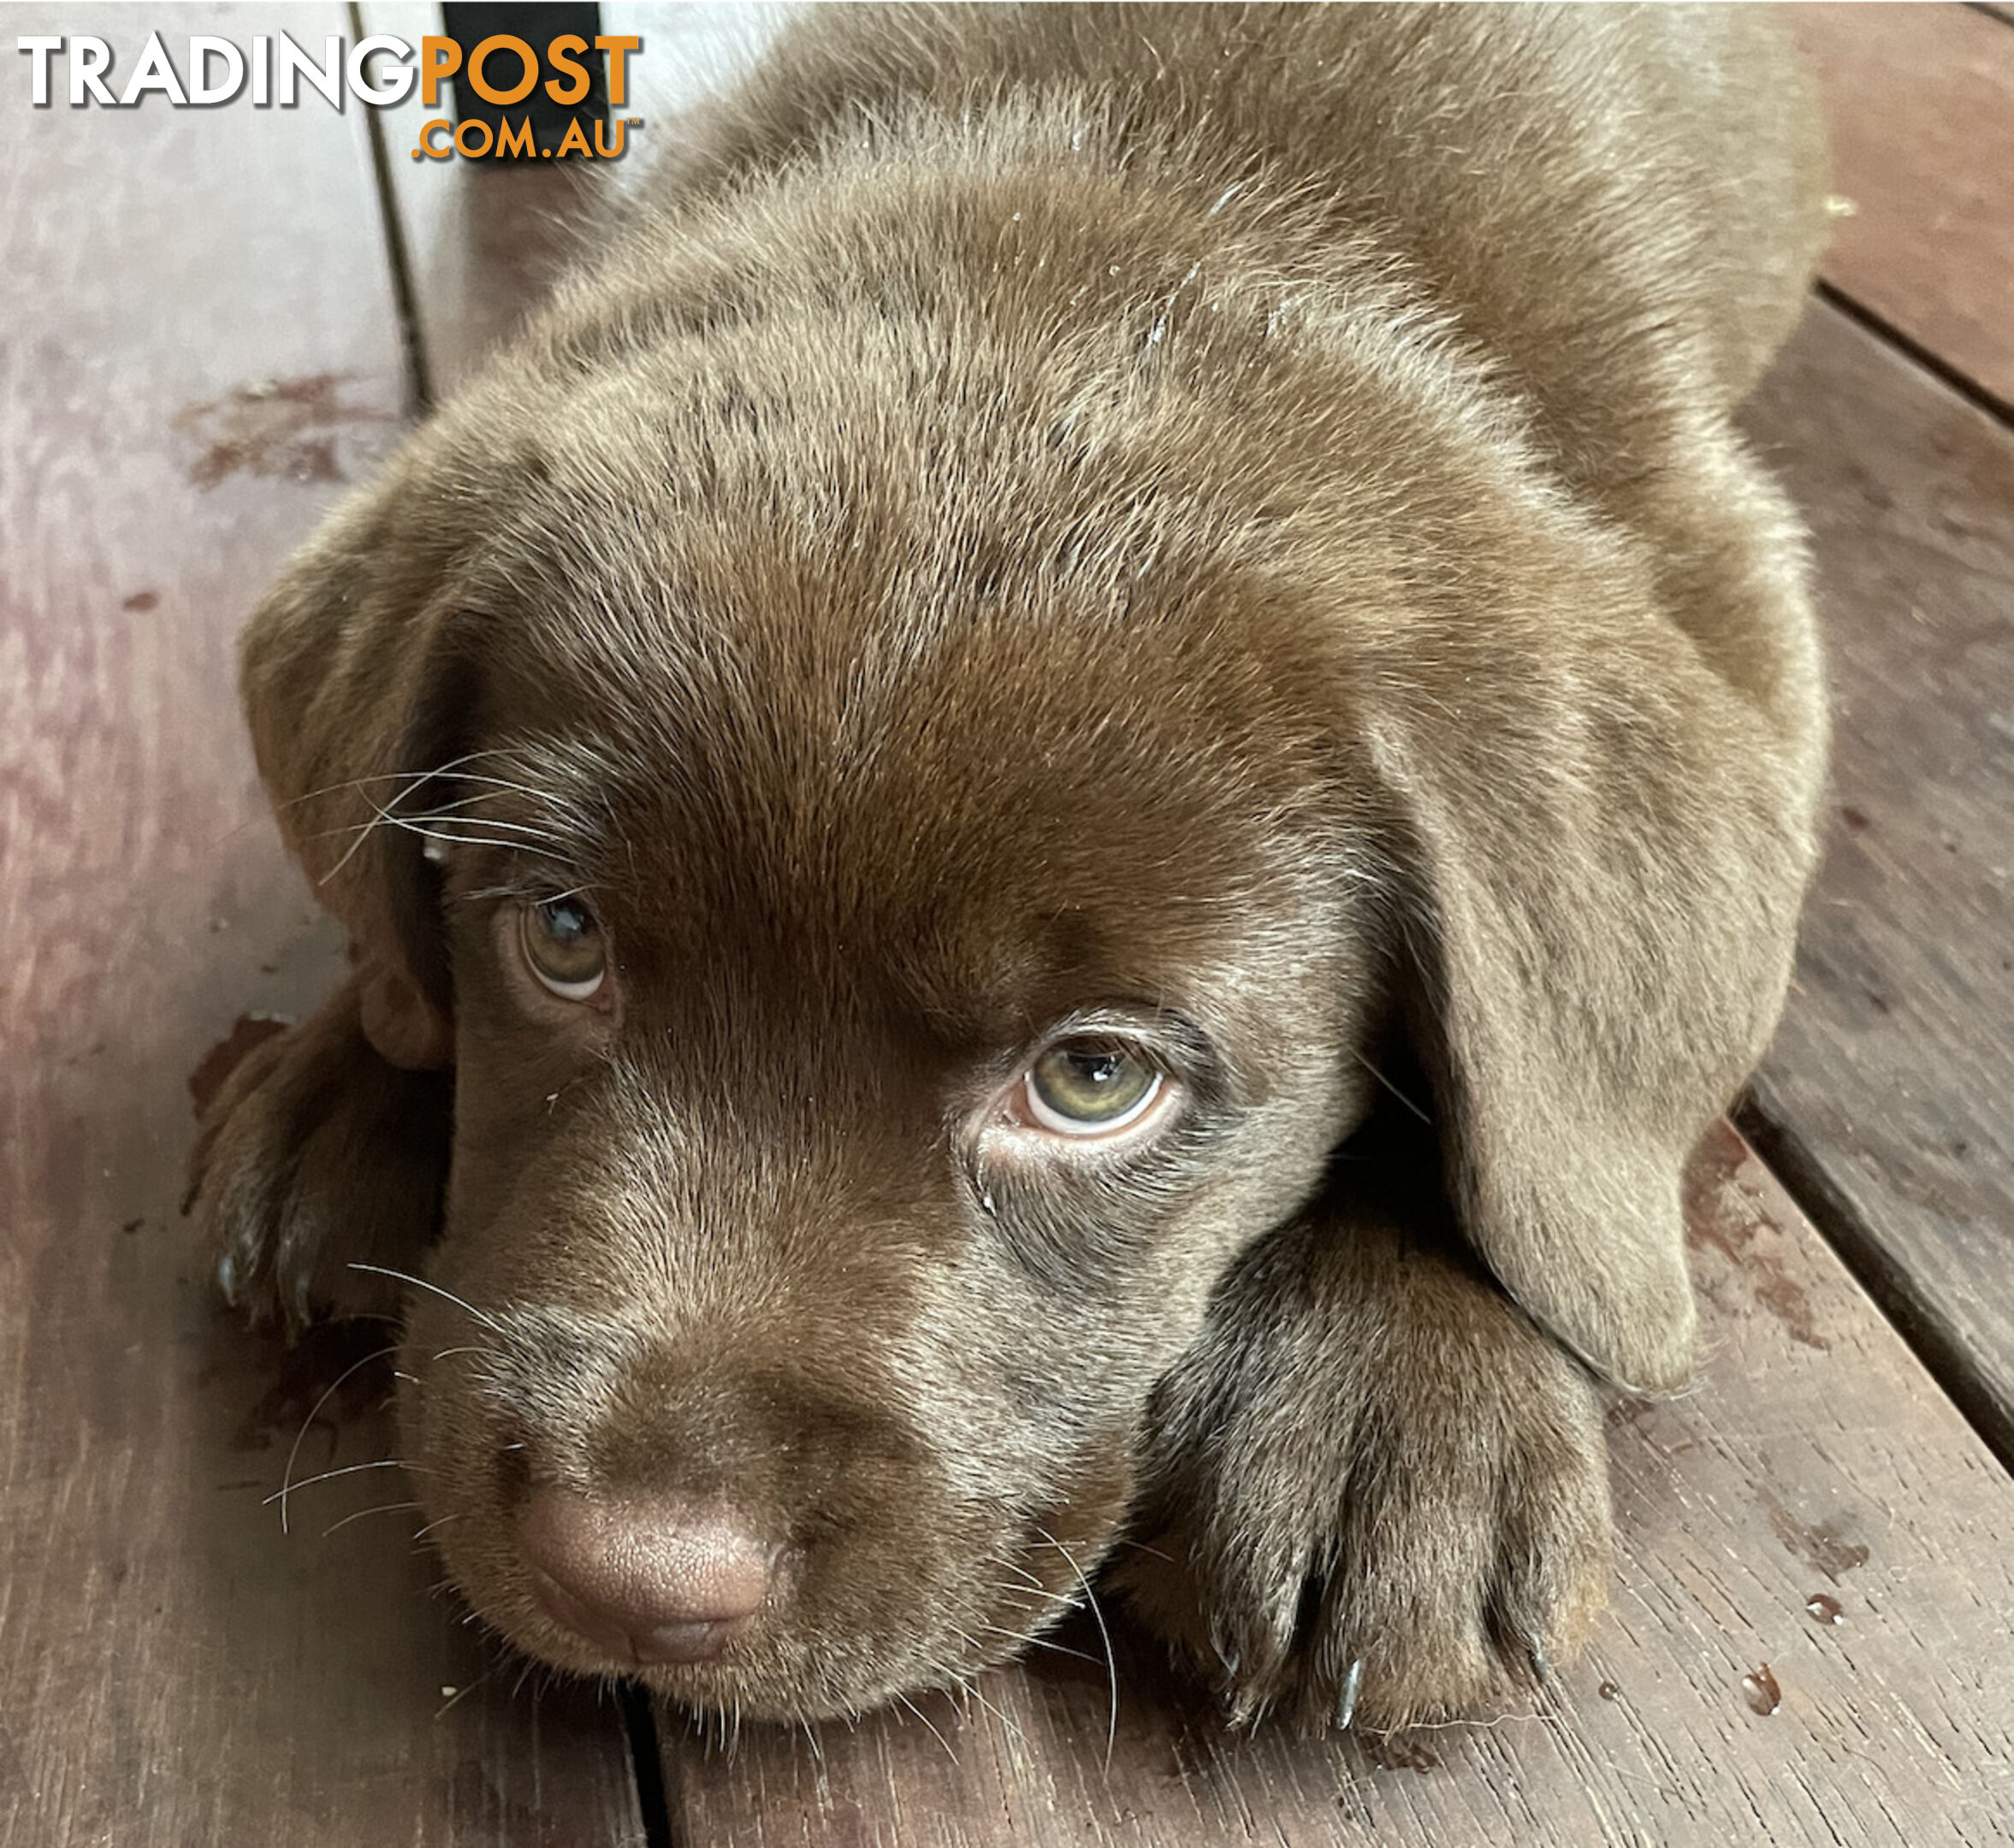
x,y
1379,1494
315,1157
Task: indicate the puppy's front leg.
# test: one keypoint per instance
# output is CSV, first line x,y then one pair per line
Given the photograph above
x,y
1376,1493
315,1157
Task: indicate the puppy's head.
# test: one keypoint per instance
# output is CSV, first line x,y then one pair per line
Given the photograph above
x,y
908,902
887,988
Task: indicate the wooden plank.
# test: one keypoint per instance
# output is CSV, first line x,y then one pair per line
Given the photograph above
x,y
197,352
1815,1461
1920,100
1888,1086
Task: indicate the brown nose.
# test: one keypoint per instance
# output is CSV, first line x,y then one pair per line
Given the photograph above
x,y
649,1580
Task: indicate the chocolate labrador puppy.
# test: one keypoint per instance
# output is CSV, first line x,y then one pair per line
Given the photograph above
x,y
1057,816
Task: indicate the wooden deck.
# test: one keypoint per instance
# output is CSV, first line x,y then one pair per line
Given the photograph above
x,y
1812,1634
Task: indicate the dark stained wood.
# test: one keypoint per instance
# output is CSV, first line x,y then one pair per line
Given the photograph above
x,y
1890,1082
1920,100
196,352
1720,1702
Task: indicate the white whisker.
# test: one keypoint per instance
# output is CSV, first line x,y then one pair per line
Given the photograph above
x,y
385,1507
405,1276
932,1730
280,1494
1111,1664
308,1425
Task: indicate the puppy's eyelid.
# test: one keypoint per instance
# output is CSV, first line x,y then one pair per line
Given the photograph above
x,y
1171,1040
532,885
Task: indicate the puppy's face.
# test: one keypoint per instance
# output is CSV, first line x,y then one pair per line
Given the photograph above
x,y
886,998
925,818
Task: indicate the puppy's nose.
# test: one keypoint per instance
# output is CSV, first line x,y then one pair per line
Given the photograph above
x,y
649,1580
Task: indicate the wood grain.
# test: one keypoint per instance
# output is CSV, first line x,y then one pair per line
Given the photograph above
x,y
196,352
1815,1460
1889,1082
1920,102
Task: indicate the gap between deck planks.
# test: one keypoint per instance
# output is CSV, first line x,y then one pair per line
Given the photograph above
x,y
197,354
1922,112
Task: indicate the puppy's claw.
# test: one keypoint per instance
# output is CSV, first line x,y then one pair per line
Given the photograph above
x,y
1275,1641
1542,1666
1226,1655
1243,1708
1346,1698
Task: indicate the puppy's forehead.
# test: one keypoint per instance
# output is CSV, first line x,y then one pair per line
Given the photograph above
x,y
1005,782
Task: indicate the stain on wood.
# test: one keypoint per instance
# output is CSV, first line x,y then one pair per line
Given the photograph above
x,y
288,428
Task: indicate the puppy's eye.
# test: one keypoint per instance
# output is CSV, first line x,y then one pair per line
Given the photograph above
x,y
1085,1088
563,945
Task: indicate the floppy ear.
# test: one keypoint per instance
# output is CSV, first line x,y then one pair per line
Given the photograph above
x,y
1599,870
354,690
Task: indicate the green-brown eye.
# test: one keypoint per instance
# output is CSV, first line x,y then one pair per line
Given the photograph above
x,y
563,945
1084,1087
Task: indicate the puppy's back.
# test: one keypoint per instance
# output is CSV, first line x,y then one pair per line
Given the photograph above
x,y
1621,205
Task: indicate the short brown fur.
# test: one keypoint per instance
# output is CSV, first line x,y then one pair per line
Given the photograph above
x,y
1226,514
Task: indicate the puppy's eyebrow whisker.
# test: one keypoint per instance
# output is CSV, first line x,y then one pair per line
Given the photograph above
x,y
459,803
364,833
527,836
385,814
414,776
545,846
512,890
385,817
431,825
511,784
